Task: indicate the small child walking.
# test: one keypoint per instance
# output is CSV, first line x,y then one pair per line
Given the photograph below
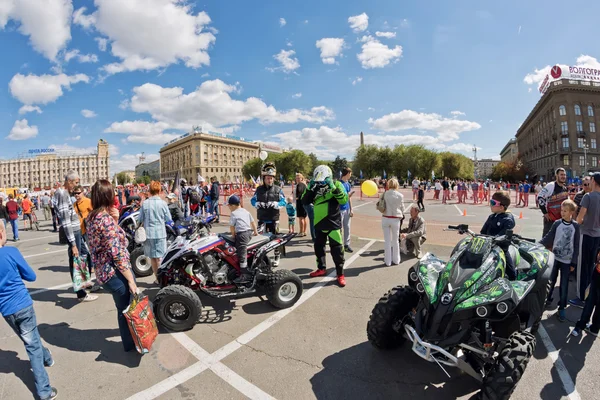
x,y
420,197
291,212
241,227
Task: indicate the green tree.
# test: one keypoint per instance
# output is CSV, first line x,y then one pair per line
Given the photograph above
x,y
252,168
292,162
338,165
123,178
365,159
314,163
143,179
383,161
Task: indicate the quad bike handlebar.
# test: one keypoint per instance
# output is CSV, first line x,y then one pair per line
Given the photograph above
x,y
510,236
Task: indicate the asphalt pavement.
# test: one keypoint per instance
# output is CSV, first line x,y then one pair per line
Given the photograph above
x,y
247,349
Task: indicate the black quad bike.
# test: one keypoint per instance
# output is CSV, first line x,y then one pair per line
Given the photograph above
x,y
465,313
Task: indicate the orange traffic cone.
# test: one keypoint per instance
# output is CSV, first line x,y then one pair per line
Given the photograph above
x,y
465,212
521,215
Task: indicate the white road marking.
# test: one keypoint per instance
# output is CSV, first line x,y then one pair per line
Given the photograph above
x,y
563,373
179,378
46,253
360,205
37,238
57,287
458,209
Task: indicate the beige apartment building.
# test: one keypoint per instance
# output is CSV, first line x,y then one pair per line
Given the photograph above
x,y
42,168
510,151
485,167
206,154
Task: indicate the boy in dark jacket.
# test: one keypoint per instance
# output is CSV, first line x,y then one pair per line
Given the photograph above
x,y
498,223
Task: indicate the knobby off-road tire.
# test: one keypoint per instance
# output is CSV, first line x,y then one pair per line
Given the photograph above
x,y
283,288
502,380
177,307
140,264
393,306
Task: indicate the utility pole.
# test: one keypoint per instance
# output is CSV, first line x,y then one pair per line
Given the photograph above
x,y
475,165
585,150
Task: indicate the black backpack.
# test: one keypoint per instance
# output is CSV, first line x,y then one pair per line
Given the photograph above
x,y
195,196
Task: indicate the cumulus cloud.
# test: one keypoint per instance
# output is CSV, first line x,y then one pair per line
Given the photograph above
x,y
288,63
357,80
42,89
177,34
27,109
375,54
457,113
82,58
88,113
85,21
282,22
48,26
330,49
210,106
22,131
296,95
387,35
128,162
538,75
447,128
102,43
359,23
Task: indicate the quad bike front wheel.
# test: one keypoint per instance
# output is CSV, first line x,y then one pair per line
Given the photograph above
x,y
140,264
391,308
283,288
502,380
177,307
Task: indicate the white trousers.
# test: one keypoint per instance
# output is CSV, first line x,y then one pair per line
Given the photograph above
x,y
391,232
346,226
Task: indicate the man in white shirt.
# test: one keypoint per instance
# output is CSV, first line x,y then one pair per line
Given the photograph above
x,y
415,188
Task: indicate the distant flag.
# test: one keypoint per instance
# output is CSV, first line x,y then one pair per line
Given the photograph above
x,y
432,174
340,174
280,177
408,172
361,174
384,174
116,182
176,182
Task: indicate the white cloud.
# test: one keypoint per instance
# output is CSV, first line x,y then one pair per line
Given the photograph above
x,y
462,147
205,75
387,35
210,106
176,33
26,109
330,49
289,43
446,128
102,43
287,61
457,113
357,80
296,95
370,109
359,23
405,23
74,138
42,89
328,142
375,54
88,113
48,26
282,22
22,131
82,58
85,21
538,75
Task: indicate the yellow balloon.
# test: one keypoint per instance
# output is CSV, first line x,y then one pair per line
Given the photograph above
x,y
369,188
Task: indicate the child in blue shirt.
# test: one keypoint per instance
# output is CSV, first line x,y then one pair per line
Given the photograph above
x,y
291,212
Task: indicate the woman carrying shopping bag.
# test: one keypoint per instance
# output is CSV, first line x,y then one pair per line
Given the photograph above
x,y
391,206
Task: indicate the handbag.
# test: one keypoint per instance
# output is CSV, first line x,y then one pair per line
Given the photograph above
x,y
141,322
81,274
140,235
62,236
381,203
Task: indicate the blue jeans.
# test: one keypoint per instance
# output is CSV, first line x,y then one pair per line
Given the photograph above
x,y
589,251
563,269
119,288
83,254
310,211
214,207
15,228
593,300
24,323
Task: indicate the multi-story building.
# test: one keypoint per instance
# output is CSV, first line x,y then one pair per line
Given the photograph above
x,y
510,151
151,169
561,130
484,167
206,154
42,168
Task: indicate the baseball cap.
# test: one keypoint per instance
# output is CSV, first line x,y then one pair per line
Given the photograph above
x,y
233,200
172,196
596,177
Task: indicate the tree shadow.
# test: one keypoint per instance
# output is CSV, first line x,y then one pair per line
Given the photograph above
x,y
10,363
361,371
92,340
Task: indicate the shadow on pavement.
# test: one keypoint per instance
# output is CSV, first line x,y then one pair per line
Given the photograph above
x,y
10,363
52,296
219,310
55,268
362,372
92,340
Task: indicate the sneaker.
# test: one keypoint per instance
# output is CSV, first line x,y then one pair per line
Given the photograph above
x,y
244,278
318,272
562,315
592,330
341,280
95,287
88,298
53,394
577,302
576,332
276,261
52,363
347,249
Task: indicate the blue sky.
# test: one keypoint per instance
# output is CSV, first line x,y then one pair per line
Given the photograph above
x,y
308,75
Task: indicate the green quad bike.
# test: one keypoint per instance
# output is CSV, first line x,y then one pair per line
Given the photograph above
x,y
466,314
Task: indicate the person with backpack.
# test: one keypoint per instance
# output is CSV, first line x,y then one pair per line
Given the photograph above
x,y
184,196
204,193
195,195
214,193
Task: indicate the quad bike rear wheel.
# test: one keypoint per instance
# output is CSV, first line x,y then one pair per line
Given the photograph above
x,y
177,307
502,380
392,307
283,288
140,263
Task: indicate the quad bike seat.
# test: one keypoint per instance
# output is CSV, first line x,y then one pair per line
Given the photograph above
x,y
520,259
254,241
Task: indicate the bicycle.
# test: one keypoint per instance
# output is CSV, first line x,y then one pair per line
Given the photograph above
x,y
32,221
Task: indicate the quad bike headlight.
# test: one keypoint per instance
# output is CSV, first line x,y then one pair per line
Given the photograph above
x,y
420,287
481,311
413,276
502,307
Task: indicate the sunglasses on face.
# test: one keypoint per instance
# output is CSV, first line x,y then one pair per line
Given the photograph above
x,y
76,193
495,203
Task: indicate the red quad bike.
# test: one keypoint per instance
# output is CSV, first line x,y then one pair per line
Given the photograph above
x,y
209,264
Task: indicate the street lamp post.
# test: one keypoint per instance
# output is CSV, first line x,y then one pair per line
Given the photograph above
x,y
585,150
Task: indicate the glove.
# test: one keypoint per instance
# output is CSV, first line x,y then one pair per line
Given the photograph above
x,y
273,204
311,184
329,182
260,204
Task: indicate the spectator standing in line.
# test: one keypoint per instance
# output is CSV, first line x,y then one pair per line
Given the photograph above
x,y
391,221
83,207
551,197
415,188
214,193
346,209
154,215
55,222
438,188
69,220
537,189
204,193
420,197
586,188
300,210
46,206
475,189
4,218
291,213
27,207
16,306
526,190
127,194
446,191
589,221
120,197
520,191
183,191
12,207
485,187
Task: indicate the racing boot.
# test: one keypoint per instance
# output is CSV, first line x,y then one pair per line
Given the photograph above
x,y
245,277
318,272
341,280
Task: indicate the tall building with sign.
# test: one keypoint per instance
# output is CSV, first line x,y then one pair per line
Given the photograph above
x,y
561,130
206,154
510,151
42,168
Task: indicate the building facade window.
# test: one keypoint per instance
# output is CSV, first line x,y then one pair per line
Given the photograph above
x,y
592,127
581,161
565,160
580,143
579,126
577,109
594,161
564,127
565,142
562,110
590,111
593,143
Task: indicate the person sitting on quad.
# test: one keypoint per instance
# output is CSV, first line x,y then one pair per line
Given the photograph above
x,y
175,210
241,227
133,204
498,223
195,195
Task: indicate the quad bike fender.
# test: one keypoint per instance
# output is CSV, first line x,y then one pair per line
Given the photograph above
x,y
533,303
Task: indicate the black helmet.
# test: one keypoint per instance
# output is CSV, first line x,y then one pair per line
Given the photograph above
x,y
268,169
